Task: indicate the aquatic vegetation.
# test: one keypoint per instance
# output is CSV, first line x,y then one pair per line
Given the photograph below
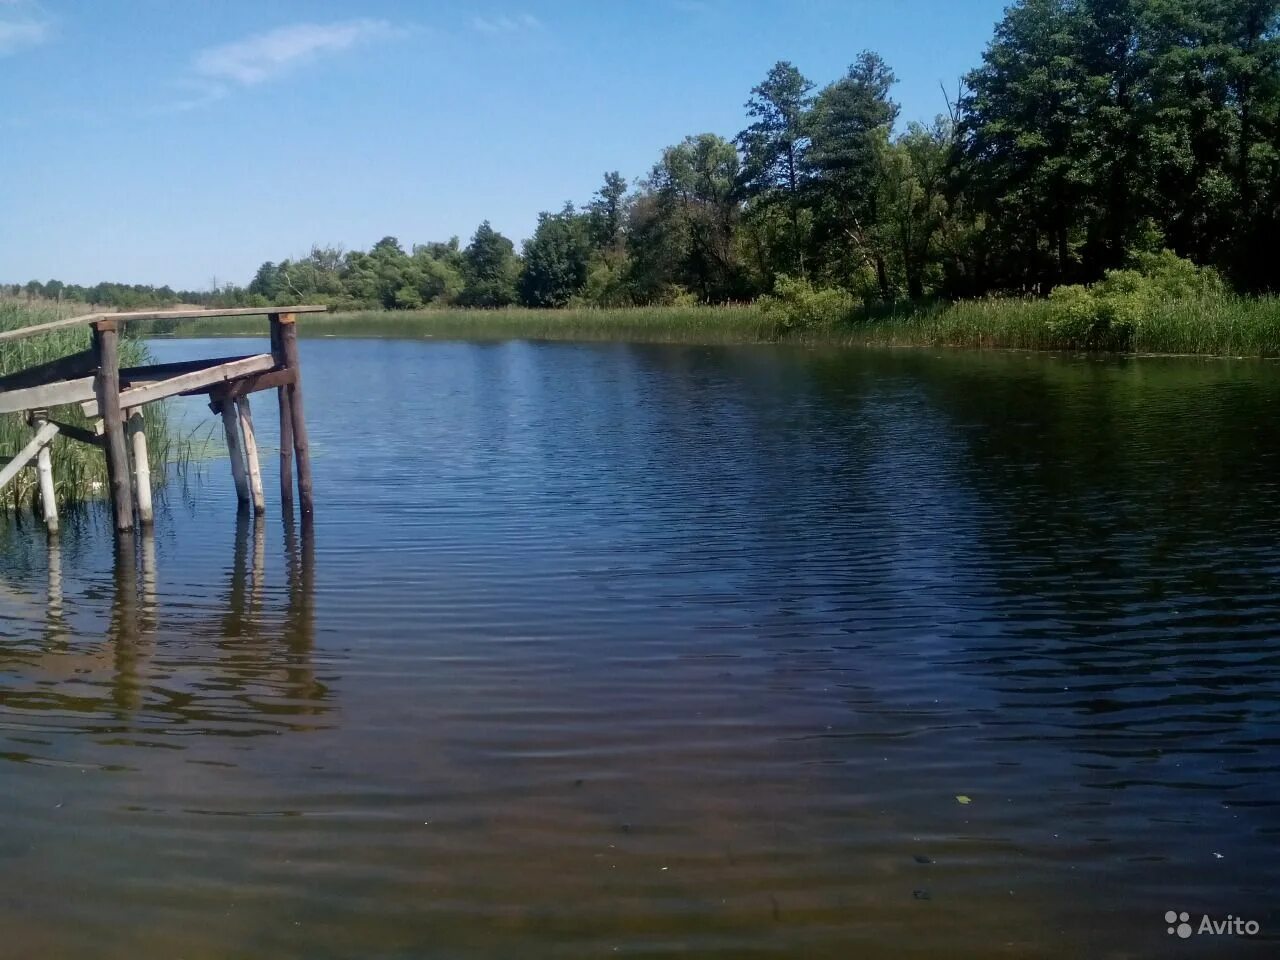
x,y
1216,323
79,471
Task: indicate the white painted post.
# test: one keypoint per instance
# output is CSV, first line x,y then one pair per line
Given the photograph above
x,y
251,455
231,427
141,466
44,467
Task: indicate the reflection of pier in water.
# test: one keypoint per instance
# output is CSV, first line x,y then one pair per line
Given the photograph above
x,y
243,671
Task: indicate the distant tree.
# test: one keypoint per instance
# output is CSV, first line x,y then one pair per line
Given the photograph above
x,y
774,148
686,235
490,269
913,204
556,259
266,282
848,126
607,212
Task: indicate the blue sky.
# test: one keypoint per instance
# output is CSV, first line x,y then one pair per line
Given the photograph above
x,y
174,141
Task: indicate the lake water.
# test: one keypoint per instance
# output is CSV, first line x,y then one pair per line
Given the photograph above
x,y
652,651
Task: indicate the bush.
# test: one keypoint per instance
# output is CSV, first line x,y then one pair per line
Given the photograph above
x,y
797,306
1109,314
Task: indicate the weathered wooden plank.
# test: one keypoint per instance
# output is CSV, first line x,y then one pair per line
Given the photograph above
x,y
42,436
47,395
84,320
106,345
138,396
136,376
72,367
79,433
214,312
236,389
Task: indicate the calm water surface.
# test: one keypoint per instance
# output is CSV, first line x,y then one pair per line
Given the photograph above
x,y
653,651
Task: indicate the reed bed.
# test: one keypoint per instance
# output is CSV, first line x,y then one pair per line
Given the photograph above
x,y
1224,325
696,324
79,471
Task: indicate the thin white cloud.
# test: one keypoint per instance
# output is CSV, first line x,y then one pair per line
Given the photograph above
x,y
505,24
23,32
265,55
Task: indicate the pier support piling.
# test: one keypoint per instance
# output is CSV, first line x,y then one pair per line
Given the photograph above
x,y
231,428
251,455
141,467
106,355
285,344
44,468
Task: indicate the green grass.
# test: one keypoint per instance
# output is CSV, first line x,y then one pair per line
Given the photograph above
x,y
79,470
1227,326
734,324
1217,326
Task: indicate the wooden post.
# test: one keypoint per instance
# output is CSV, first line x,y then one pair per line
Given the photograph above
x,y
106,351
141,467
251,455
44,467
286,423
301,446
231,427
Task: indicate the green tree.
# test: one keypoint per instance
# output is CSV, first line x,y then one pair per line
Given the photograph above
x,y
683,231
1022,115
556,259
490,269
848,126
913,205
773,151
607,211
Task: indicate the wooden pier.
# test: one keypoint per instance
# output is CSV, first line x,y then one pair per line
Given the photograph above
x,y
114,398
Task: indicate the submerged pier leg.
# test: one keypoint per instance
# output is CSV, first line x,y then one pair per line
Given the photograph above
x,y
288,346
251,455
141,467
286,424
106,354
44,468
231,427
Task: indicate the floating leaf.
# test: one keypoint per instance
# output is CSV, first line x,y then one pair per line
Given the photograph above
x,y
961,798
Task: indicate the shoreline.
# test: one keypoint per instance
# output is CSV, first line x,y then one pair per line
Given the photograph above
x,y
1003,327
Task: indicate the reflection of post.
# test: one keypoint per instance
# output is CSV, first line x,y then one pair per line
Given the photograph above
x,y
258,575
54,619
234,621
126,689
149,604
300,617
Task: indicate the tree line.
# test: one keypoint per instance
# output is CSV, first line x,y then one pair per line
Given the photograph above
x,y
1092,132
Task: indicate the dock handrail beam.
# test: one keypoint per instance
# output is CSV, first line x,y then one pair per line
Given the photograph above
x,y
23,333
